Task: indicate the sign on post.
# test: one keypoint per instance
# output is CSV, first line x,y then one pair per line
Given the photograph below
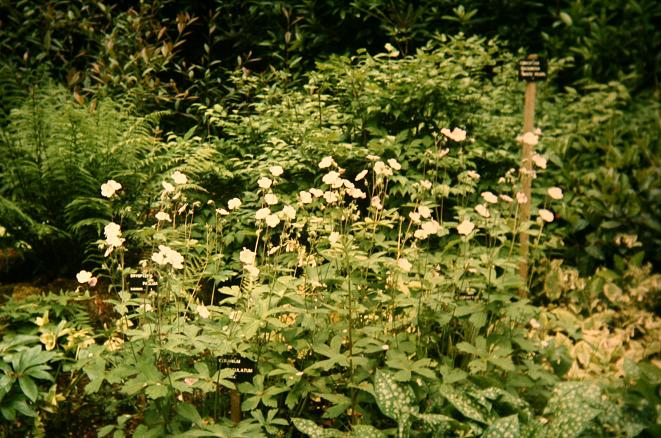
x,y
531,69
139,283
244,369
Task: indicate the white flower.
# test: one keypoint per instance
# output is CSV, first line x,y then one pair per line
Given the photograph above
x,y
380,168
431,227
394,164
334,237
506,198
276,170
473,175
305,197
289,212
530,139
555,192
316,192
262,213
163,216
420,234
489,197
179,178
109,188
376,202
203,311
167,255
271,199
253,271
361,175
113,237
222,212
521,198
234,203
330,197
83,276
272,220
325,162
357,193
404,264
482,210
167,187
333,179
539,161
424,211
465,227
415,217
425,184
264,182
372,157
456,134
247,257
546,215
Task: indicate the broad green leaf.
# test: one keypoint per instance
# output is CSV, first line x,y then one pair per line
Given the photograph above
x,y
28,387
505,427
394,400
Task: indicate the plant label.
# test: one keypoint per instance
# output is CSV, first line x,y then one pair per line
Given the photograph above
x,y
142,283
243,368
533,68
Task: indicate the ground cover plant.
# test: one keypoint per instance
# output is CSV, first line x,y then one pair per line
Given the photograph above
x,y
348,236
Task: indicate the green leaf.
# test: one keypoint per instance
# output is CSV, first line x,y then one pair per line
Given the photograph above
x,y
308,427
505,427
394,400
468,407
28,387
189,412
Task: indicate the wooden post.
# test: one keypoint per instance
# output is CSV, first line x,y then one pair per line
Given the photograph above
x,y
235,406
526,179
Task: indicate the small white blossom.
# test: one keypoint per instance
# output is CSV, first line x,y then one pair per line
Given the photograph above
x,y
376,203
539,161
305,197
253,271
521,198
431,227
330,197
465,227
271,199
289,212
555,192
334,237
530,138
473,175
425,184
222,212
424,211
357,194
325,162
482,210
247,256
163,216
316,192
167,187
506,198
276,170
109,188
415,217
272,220
262,213
179,178
456,134
83,276
361,175
394,164
489,197
234,203
546,215
381,168
264,182
332,178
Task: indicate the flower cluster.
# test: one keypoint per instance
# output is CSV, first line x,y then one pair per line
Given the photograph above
x,y
109,188
167,255
114,238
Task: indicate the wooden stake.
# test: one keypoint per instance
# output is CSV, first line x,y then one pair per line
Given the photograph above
x,y
526,180
235,406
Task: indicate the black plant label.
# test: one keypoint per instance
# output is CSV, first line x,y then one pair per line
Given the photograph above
x,y
139,283
533,68
243,367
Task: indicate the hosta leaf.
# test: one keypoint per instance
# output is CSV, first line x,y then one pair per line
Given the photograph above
x,y
506,427
394,400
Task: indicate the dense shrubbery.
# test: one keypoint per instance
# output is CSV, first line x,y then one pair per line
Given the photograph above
x,y
351,229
